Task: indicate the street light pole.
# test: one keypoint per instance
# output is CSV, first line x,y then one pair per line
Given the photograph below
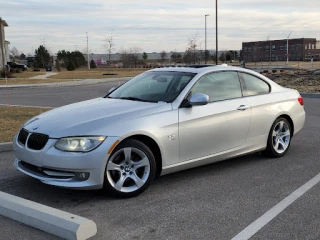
x,y
205,30
88,51
216,32
288,48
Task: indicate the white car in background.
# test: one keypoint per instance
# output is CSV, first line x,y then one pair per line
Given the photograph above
x,y
162,121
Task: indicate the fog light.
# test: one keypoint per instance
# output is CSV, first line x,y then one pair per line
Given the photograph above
x,y
82,176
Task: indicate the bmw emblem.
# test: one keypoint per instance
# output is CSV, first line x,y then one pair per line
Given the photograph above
x,y
36,127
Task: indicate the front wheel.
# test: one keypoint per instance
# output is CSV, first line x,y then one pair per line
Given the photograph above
x,y
130,169
279,138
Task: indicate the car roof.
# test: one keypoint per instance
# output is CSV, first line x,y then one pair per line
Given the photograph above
x,y
216,68
200,69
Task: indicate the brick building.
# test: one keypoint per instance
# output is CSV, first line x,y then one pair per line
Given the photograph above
x,y
300,49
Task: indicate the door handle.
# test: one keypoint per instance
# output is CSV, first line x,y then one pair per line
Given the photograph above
x,y
242,107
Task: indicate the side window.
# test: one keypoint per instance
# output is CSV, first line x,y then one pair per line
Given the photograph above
x,y
219,86
254,85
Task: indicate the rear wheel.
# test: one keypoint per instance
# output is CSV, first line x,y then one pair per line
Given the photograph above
x,y
130,169
279,138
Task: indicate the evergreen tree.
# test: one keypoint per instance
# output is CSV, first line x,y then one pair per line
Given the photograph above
x,y
42,57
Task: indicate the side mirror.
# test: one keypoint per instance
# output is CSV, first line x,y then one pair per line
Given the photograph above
x,y
112,89
199,99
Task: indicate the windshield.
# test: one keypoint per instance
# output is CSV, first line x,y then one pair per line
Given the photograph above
x,y
153,87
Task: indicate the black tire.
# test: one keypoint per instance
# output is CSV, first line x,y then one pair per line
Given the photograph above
x,y
118,156
271,150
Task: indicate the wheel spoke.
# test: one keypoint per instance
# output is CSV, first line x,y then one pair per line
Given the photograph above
x,y
286,133
142,163
281,126
276,145
127,154
274,133
112,166
283,144
120,182
138,181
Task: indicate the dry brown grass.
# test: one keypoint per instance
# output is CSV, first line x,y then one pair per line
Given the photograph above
x,y
294,64
84,73
299,80
12,118
15,81
28,73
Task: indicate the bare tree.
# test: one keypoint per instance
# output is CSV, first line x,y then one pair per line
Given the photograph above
x,y
14,52
109,45
130,58
163,55
191,55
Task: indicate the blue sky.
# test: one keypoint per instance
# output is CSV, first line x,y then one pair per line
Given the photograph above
x,y
154,26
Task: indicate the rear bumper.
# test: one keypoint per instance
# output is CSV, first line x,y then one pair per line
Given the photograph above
x,y
298,121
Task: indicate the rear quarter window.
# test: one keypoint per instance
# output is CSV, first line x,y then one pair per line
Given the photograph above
x,y
254,85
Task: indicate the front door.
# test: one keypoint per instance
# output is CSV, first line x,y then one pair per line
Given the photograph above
x,y
220,125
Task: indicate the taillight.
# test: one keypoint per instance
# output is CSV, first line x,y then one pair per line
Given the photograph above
x,y
300,100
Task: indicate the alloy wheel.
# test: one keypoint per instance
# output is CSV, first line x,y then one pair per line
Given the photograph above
x,y
128,169
281,137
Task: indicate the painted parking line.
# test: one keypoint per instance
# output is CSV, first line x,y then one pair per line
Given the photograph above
x,y
254,227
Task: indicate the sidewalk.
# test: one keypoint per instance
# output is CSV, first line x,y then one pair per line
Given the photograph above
x,y
75,82
45,76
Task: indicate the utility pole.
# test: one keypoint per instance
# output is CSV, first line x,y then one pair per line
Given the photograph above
x,y
88,50
216,32
205,29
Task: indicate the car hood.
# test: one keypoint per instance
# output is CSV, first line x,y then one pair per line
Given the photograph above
x,y
91,117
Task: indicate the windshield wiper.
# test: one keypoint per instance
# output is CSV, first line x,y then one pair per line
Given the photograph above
x,y
134,99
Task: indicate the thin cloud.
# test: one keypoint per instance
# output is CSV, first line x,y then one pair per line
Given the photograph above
x,y
165,25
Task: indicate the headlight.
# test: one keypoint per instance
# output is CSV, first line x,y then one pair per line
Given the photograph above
x,y
79,144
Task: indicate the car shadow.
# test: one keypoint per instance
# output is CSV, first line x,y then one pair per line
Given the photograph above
x,y
32,189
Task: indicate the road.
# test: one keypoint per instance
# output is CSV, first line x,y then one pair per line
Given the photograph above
x,y
54,96
216,201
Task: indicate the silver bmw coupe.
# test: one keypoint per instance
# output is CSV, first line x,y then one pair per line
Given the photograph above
x,y
162,121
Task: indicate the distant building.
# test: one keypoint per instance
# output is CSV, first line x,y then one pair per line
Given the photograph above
x,y
101,59
300,49
3,52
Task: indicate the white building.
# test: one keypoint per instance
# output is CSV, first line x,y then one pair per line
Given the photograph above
x,y
3,53
7,51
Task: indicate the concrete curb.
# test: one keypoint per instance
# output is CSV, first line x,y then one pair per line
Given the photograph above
x,y
68,84
51,220
6,147
310,95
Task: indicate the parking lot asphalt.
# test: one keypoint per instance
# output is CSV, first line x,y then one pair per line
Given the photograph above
x,y
216,201
54,96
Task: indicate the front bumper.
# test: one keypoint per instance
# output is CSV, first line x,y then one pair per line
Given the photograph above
x,y
54,167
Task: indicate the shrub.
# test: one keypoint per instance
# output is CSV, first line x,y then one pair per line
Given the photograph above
x,y
92,64
282,70
274,70
265,71
4,74
71,66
